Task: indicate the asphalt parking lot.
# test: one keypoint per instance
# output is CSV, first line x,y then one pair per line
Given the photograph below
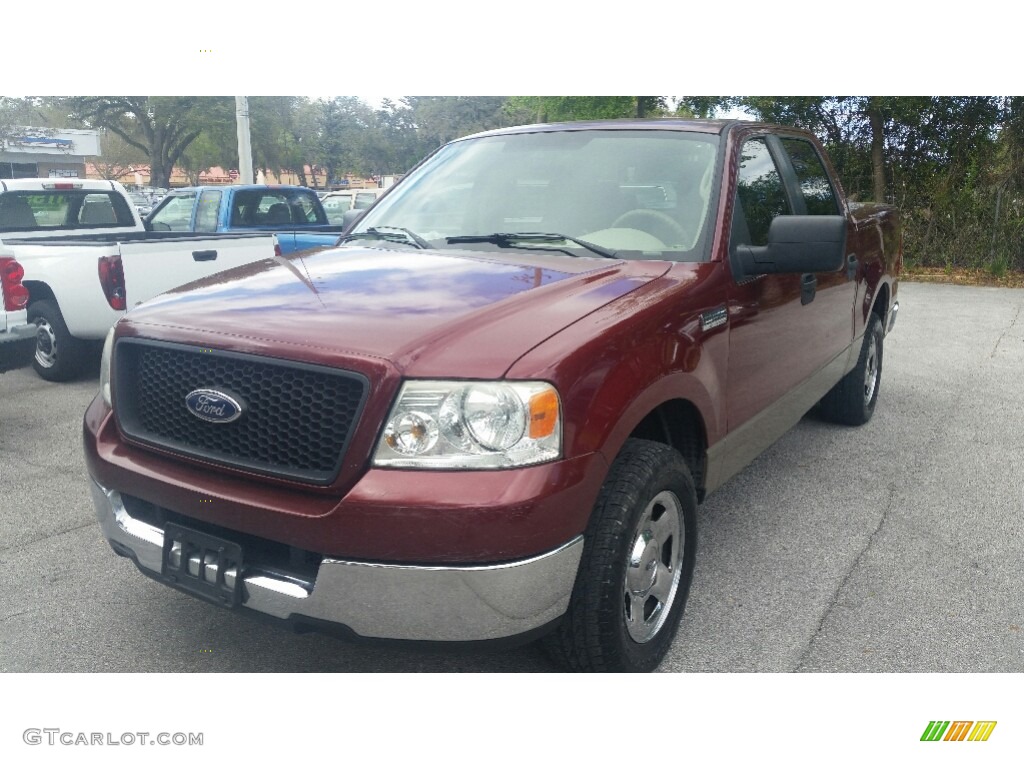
x,y
896,547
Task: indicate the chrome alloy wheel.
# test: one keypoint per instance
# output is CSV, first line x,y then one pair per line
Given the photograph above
x,y
871,370
46,343
653,567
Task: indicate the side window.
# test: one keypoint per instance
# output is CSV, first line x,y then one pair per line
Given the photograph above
x,y
760,196
175,215
815,186
206,213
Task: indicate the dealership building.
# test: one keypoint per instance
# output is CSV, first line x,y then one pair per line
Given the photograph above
x,y
32,153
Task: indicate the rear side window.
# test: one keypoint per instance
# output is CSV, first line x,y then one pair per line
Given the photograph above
x,y
206,213
760,195
276,207
59,210
815,186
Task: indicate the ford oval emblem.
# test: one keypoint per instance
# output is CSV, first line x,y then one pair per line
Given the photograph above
x,y
211,405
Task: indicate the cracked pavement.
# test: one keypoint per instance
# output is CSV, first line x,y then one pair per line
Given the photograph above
x,y
895,547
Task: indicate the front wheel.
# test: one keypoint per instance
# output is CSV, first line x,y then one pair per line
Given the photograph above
x,y
637,565
59,356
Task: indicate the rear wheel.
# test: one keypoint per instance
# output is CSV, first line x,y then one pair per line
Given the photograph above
x,y
852,400
59,356
637,564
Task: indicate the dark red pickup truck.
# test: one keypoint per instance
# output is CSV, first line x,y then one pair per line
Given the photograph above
x,y
492,412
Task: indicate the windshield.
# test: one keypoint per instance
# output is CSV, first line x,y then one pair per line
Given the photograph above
x,y
638,193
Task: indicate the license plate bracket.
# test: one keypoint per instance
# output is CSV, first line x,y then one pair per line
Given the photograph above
x,y
206,566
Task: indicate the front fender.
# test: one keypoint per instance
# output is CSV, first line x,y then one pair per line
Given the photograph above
x,y
615,366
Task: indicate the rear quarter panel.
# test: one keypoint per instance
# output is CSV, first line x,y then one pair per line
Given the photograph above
x,y
151,268
70,272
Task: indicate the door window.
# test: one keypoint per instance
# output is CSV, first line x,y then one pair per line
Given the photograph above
x,y
815,186
175,215
760,195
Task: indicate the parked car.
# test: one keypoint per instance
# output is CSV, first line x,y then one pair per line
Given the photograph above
x,y
143,204
493,415
336,204
294,214
87,259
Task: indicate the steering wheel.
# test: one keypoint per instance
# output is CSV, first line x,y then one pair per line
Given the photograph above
x,y
639,217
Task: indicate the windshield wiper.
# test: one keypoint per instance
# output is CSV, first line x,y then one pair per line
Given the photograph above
x,y
391,234
509,239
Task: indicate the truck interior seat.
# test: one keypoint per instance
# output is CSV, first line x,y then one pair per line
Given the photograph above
x,y
279,213
101,212
15,213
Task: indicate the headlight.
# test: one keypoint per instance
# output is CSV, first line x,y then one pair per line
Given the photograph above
x,y
108,348
471,425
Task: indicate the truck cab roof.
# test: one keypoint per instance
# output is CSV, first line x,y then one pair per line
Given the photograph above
x,y
19,185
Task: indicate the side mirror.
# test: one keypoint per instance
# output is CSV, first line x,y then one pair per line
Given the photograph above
x,y
797,244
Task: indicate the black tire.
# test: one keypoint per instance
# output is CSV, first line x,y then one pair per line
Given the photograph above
x,y
852,400
597,633
58,355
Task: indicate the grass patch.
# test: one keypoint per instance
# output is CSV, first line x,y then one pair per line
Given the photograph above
x,y
996,274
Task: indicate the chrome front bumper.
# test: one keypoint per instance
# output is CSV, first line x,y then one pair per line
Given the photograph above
x,y
402,602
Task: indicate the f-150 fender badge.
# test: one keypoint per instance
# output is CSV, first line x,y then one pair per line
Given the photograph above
x,y
213,406
714,318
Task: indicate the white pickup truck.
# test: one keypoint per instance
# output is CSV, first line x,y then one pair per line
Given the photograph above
x,y
88,259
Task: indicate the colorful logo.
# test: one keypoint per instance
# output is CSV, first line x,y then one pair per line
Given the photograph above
x,y
958,730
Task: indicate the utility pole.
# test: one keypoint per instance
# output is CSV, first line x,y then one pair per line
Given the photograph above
x,y
244,143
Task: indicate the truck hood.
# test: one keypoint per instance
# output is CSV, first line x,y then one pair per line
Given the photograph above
x,y
429,313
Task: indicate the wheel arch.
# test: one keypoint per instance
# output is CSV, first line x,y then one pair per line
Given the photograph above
x,y
676,411
678,424
38,291
881,303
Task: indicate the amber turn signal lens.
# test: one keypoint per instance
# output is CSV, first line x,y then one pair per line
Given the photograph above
x,y
543,414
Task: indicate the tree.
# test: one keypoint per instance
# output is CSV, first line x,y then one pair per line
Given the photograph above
x,y
118,158
340,126
204,153
162,127
440,119
16,114
566,108
947,162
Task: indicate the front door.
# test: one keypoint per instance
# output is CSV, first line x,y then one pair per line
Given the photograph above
x,y
784,328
